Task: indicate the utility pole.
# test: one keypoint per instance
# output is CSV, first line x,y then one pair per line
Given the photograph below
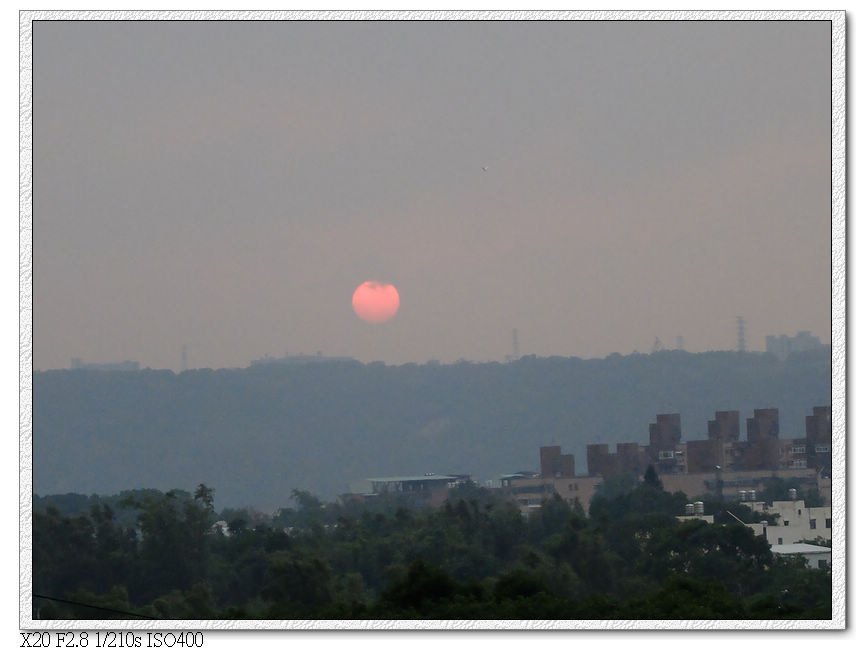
x,y
741,324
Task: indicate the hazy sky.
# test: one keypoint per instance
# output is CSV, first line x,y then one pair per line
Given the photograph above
x,y
228,185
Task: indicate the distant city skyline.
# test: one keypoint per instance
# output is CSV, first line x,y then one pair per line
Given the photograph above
x,y
599,187
778,345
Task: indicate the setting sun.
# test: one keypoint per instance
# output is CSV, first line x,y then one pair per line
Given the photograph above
x,y
375,302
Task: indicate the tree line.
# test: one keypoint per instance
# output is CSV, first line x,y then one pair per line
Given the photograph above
x,y
159,555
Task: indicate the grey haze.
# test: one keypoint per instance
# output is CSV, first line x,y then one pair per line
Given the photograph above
x,y
226,185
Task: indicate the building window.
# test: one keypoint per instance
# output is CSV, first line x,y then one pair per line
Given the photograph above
x,y
822,564
780,540
813,524
786,523
797,449
828,523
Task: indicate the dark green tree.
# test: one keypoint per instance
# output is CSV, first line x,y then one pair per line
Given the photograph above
x,y
297,585
651,478
204,495
419,586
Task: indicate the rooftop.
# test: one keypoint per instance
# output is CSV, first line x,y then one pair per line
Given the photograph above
x,y
410,479
794,549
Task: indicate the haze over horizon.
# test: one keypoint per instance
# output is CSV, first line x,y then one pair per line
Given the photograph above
x,y
305,357
595,185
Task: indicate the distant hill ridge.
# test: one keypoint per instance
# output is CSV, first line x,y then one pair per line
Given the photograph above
x,y
257,433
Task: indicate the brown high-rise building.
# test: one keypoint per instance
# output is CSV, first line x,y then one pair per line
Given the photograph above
x,y
666,432
554,464
550,461
722,451
818,439
763,425
631,458
763,449
793,454
567,468
600,461
725,426
704,455
818,427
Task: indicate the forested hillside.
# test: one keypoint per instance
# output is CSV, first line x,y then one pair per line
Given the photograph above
x,y
258,433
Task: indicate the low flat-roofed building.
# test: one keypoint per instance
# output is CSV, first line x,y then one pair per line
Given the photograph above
x,y
530,492
731,482
709,519
815,556
429,489
505,480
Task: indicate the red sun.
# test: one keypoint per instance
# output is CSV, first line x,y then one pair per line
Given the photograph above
x,y
375,302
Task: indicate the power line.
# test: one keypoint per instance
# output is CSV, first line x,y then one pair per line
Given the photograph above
x,y
104,609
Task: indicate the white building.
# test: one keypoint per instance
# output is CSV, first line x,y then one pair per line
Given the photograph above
x,y
796,523
815,556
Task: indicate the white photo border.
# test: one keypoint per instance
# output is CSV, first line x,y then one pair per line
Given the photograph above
x,y
838,340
